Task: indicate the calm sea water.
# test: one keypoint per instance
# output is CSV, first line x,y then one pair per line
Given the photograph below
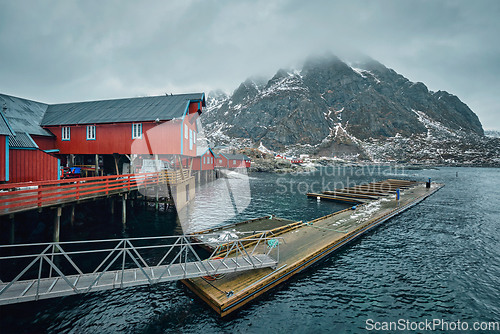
x,y
438,260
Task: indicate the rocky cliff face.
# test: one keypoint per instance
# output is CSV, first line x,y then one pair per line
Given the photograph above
x,y
333,108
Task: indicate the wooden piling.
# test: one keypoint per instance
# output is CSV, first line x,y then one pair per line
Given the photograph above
x,y
72,217
57,223
12,228
124,209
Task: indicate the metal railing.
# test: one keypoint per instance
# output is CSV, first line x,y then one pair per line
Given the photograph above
x,y
66,268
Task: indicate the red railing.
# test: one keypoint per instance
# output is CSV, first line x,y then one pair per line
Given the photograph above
x,y
16,197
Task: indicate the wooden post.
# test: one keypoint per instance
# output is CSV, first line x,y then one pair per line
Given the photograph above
x,y
12,228
57,223
112,205
116,163
124,209
156,197
181,167
191,167
72,218
97,165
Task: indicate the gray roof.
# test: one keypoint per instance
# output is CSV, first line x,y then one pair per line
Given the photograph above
x,y
22,140
122,110
5,128
235,156
23,115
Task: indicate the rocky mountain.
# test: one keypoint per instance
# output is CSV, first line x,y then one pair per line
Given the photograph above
x,y
361,111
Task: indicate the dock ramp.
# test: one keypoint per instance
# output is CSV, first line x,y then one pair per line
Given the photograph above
x,y
68,268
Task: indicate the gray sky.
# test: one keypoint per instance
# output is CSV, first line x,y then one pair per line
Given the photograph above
x,y
64,51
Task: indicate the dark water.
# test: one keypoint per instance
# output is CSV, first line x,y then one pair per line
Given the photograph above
x,y
438,260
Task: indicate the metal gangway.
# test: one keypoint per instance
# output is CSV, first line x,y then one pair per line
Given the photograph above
x,y
46,270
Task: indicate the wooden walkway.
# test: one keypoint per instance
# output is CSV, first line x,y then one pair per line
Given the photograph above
x,y
304,245
18,197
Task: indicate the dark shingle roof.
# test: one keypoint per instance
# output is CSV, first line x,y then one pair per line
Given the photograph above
x,y
21,140
23,115
122,110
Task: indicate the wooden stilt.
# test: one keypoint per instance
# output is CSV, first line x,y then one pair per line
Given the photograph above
x,y
124,209
112,206
97,165
57,224
12,228
72,218
156,197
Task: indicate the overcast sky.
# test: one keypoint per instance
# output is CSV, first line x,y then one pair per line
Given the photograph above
x,y
67,51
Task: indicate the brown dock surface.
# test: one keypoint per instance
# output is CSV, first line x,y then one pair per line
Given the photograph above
x,y
303,246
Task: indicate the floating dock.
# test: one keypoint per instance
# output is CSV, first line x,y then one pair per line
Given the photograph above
x,y
306,243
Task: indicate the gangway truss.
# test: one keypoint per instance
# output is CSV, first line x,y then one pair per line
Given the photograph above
x,y
47,270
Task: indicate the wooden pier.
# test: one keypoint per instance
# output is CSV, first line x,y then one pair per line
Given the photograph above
x,y
307,243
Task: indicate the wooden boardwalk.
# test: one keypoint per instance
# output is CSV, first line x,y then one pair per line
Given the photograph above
x,y
304,245
18,197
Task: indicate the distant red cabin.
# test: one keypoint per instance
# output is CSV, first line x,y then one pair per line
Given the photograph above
x,y
205,161
233,161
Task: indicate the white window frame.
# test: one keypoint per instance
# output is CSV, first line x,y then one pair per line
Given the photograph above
x,y
186,131
137,131
234,162
66,133
91,132
194,137
204,160
190,139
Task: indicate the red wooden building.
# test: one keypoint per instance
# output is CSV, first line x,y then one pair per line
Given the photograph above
x,y
225,160
103,135
21,157
205,161
155,126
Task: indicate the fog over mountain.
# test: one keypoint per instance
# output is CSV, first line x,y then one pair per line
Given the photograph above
x,y
359,110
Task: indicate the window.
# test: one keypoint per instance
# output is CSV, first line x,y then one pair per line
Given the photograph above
x,y
194,138
234,162
66,134
204,161
190,139
220,161
211,160
137,131
91,132
185,131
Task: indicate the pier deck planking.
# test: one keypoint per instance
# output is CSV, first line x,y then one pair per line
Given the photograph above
x,y
304,246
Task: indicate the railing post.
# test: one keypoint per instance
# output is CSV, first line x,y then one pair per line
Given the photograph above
x,y
107,186
78,189
128,182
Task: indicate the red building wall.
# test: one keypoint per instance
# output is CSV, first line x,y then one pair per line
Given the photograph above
x,y
45,143
32,165
221,161
164,138
198,162
3,150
